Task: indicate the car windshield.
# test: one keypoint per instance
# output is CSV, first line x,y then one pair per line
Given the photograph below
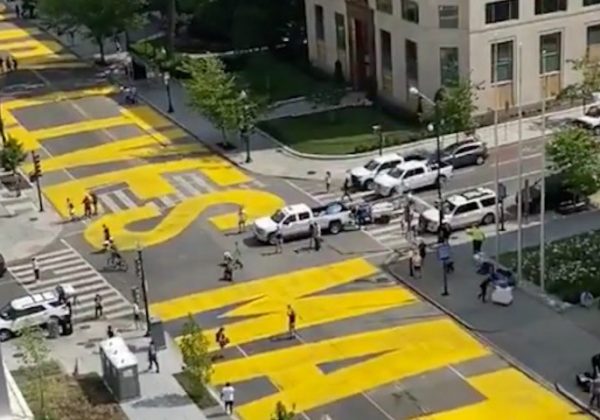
x,y
278,216
593,112
448,207
334,208
396,173
371,165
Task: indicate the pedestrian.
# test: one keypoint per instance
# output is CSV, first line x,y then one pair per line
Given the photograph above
x,y
318,237
411,257
15,63
596,364
346,188
278,241
237,256
445,232
153,357
228,270
94,199
107,239
2,64
228,397
18,11
71,209
98,309
87,206
477,238
483,289
117,43
221,339
327,181
291,315
311,235
242,217
61,294
9,63
137,321
417,263
595,392
110,333
36,268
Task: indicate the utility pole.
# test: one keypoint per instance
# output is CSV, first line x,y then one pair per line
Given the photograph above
x,y
520,176
497,157
543,186
379,134
139,269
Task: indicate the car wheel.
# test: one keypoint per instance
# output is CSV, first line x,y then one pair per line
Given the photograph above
x,y
480,160
488,219
335,227
369,184
5,335
271,239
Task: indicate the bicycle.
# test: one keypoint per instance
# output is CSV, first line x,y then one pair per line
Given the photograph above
x,y
116,263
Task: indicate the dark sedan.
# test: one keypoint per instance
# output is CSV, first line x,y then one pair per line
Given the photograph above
x,y
465,153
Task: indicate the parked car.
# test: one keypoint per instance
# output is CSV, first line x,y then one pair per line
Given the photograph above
x,y
462,210
465,153
558,197
363,176
590,120
295,220
33,310
410,176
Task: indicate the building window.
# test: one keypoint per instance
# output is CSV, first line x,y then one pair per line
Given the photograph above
x,y
448,16
502,62
386,50
590,2
550,47
385,6
449,66
319,23
410,11
550,6
593,42
412,62
340,31
500,11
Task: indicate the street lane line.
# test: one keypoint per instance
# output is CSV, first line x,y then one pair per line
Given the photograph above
x,y
122,196
182,186
108,202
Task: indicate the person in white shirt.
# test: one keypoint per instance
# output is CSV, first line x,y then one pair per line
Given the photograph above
x,y
36,268
228,397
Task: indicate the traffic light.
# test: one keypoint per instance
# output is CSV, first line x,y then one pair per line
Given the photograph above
x,y
138,268
37,165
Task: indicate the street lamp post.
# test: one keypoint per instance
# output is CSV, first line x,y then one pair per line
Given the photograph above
x,y
377,131
167,82
244,126
438,134
139,265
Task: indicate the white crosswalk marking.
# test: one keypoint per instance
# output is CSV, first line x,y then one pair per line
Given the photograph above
x,y
108,202
125,199
66,265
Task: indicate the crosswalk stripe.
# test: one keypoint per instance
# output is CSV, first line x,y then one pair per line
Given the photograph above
x,y
183,186
197,181
76,282
44,255
167,200
68,270
108,203
122,196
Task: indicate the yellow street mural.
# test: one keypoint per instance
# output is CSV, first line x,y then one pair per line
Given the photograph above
x,y
386,355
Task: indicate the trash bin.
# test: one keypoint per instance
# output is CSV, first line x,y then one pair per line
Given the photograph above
x,y
157,333
120,370
53,328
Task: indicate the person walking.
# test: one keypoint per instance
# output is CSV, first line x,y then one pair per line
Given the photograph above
x,y
278,241
71,209
477,238
18,11
327,181
346,188
483,289
98,308
15,63
222,340
153,356
94,199
35,268
87,206
411,266
228,270
417,262
106,236
291,316
318,237
422,249
237,256
594,393
137,321
110,333
242,218
228,397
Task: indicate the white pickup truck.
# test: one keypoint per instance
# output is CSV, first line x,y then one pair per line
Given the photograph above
x,y
295,221
411,175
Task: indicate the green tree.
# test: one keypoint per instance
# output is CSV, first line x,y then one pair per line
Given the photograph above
x,y
35,356
29,7
11,156
101,18
589,83
574,153
282,413
457,106
194,350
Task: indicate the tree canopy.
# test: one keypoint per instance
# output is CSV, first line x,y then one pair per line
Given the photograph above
x,y
575,153
457,105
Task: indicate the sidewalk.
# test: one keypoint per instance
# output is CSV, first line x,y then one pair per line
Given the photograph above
x,y
162,398
529,331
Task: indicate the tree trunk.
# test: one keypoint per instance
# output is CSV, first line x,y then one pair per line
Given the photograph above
x,y
171,20
17,183
100,42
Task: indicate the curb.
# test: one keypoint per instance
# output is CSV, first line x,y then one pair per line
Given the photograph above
x,y
499,351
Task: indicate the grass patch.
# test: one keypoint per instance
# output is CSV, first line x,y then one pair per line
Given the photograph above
x,y
341,131
276,79
195,390
67,397
572,266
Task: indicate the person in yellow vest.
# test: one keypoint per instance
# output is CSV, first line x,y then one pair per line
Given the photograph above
x,y
477,238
